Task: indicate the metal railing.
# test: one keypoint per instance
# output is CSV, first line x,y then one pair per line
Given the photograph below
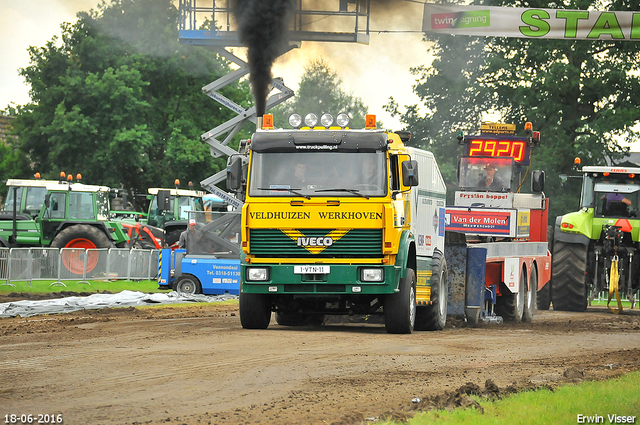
x,y
58,265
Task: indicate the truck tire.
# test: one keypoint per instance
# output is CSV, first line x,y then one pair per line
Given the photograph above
x,y
569,267
434,316
544,294
530,299
509,305
81,236
400,308
255,311
188,285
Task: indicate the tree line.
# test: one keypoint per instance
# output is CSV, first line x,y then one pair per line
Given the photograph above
x,y
118,99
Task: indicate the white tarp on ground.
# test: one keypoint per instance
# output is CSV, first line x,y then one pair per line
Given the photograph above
x,y
123,299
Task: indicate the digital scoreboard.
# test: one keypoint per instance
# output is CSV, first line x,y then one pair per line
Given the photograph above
x,y
517,148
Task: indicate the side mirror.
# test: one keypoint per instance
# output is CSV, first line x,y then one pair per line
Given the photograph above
x,y
164,200
410,173
537,181
234,174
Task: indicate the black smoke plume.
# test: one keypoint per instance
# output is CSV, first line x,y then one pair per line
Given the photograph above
x,y
263,28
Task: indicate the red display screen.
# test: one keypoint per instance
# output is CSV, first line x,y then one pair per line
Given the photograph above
x,y
516,149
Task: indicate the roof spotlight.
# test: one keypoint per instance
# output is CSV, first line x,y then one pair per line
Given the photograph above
x,y
295,120
311,119
342,120
326,120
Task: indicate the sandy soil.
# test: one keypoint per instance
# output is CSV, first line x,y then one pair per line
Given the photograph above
x,y
194,364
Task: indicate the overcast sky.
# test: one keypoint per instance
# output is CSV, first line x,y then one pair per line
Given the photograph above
x,y
371,72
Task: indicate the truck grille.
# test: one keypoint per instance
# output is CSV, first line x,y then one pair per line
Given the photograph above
x,y
356,243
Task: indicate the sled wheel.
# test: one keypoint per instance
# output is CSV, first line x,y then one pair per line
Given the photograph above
x,y
509,305
400,308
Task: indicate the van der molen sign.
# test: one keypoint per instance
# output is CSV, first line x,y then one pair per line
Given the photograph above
x,y
531,22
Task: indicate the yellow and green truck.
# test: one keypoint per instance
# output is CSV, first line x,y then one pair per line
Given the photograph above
x,y
339,221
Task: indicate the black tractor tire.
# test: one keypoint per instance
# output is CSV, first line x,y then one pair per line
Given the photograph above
x,y
509,305
81,236
255,311
400,308
530,299
569,276
434,317
285,318
187,285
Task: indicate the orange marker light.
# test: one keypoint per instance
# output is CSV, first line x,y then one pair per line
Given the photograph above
x,y
370,122
78,176
37,175
69,178
176,182
631,175
606,174
528,126
267,122
63,174
577,160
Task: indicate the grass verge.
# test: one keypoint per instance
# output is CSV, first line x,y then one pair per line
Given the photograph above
x,y
596,401
94,286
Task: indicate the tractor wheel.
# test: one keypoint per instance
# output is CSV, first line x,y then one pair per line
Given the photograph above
x,y
400,308
187,285
530,296
569,277
81,237
255,311
509,305
434,316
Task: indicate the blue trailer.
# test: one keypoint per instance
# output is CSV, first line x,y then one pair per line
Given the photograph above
x,y
211,264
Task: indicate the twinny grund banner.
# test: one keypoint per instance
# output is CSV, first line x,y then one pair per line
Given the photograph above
x,y
531,22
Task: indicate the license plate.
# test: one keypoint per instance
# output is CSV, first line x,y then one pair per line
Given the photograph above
x,y
311,269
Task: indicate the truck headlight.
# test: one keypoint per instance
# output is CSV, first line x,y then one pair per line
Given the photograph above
x,y
372,275
258,274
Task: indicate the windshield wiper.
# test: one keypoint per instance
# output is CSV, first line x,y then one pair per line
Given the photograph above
x,y
353,191
294,191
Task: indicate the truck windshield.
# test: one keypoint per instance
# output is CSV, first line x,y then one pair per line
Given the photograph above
x,y
344,174
188,203
485,173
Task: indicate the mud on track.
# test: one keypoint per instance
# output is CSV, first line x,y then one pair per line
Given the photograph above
x,y
196,364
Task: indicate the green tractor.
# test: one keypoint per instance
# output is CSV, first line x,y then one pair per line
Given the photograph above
x,y
58,214
597,248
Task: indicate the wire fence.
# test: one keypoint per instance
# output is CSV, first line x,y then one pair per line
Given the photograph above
x,y
58,265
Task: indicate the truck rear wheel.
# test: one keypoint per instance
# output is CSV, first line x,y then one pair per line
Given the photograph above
x,y
255,311
569,277
509,305
188,285
81,237
434,316
400,308
530,296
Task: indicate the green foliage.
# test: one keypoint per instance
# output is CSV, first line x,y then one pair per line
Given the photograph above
x,y
120,101
13,162
582,96
320,92
95,286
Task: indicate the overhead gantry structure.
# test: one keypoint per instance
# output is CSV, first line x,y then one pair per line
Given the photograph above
x,y
210,23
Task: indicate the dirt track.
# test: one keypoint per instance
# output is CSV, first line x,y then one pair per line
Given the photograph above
x,y
197,365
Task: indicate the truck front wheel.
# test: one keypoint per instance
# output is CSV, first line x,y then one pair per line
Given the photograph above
x,y
569,277
255,311
434,316
400,308
509,305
